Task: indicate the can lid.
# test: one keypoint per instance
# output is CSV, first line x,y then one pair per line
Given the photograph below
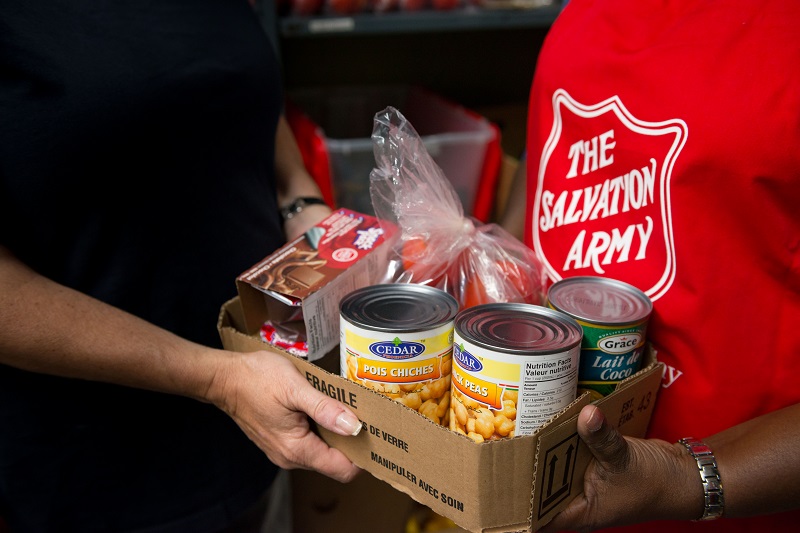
x,y
398,307
518,328
599,300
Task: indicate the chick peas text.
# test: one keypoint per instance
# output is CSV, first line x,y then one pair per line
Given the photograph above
x,y
480,423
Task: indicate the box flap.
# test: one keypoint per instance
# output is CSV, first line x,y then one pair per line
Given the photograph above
x,y
563,457
557,458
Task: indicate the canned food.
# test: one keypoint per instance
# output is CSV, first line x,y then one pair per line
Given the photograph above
x,y
397,339
614,317
516,365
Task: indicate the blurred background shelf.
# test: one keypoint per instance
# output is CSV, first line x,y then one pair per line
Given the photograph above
x,y
461,19
480,58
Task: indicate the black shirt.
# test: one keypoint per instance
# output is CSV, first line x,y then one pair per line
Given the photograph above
x,y
137,166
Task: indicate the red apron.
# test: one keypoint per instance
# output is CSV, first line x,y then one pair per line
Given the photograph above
x,y
664,151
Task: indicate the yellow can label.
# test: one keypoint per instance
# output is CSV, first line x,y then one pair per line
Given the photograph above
x,y
499,395
412,368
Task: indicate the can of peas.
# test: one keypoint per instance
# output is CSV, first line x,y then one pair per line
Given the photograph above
x,y
515,366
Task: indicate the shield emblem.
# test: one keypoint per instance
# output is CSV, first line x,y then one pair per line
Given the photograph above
x,y
602,204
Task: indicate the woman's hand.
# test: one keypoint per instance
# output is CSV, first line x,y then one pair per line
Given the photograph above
x,y
271,402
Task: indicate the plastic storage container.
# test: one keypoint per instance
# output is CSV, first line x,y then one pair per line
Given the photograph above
x,y
334,128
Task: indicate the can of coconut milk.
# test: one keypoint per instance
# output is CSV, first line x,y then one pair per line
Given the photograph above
x,y
614,317
397,339
516,366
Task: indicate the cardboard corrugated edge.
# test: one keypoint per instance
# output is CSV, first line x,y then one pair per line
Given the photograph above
x,y
446,471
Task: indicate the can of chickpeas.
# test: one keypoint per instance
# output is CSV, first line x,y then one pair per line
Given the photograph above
x,y
516,365
614,317
397,339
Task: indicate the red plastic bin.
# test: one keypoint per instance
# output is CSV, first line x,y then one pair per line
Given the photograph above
x,y
333,127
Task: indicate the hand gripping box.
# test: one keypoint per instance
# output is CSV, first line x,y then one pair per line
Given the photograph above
x,y
513,485
298,287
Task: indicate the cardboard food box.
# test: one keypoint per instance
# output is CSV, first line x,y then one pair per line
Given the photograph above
x,y
507,485
299,286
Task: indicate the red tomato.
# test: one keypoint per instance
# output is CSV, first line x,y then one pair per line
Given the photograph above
x,y
516,278
512,282
475,293
413,250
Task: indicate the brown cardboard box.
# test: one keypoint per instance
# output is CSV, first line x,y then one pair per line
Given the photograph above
x,y
504,486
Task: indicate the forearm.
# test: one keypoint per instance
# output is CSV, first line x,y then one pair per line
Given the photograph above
x,y
293,179
49,328
759,463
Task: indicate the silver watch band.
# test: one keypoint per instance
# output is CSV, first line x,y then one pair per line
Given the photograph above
x,y
709,475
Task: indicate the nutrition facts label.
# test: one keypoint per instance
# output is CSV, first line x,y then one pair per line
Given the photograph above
x,y
546,387
541,385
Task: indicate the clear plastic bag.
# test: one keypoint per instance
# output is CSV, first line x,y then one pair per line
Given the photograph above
x,y
436,244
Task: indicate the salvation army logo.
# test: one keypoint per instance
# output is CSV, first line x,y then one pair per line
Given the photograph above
x,y
602,204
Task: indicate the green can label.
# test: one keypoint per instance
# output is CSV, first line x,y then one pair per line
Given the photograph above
x,y
614,317
609,355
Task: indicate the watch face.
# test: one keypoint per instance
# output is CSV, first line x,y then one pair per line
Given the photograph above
x,y
298,205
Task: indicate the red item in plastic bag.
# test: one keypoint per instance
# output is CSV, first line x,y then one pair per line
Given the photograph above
x,y
436,244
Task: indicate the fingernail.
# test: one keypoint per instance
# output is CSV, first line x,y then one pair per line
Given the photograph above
x,y
348,423
595,421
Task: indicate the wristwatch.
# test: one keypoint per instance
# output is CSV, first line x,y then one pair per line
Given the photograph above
x,y
709,475
298,205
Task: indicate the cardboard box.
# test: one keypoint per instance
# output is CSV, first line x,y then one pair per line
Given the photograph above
x,y
299,286
504,486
